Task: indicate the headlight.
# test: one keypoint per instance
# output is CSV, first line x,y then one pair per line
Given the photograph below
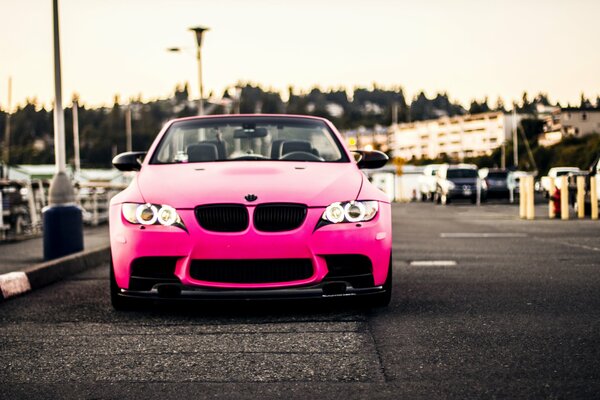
x,y
146,214
451,185
151,214
351,211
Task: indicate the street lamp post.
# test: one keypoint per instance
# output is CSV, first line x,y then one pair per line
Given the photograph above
x,y
63,224
6,150
77,160
199,30
514,136
128,134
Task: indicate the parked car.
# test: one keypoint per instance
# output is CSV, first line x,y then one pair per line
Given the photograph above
x,y
593,172
497,182
427,182
514,179
250,207
554,173
459,182
14,210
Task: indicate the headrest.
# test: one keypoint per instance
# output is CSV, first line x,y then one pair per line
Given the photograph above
x,y
295,145
276,149
202,152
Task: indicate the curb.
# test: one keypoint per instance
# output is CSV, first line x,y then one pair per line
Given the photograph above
x,y
40,275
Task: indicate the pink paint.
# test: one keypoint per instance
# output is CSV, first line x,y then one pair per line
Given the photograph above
x,y
185,186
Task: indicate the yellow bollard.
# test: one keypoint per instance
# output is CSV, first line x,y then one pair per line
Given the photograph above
x,y
522,198
580,197
530,198
551,189
564,198
594,196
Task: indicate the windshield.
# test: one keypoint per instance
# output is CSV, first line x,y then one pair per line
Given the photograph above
x,y
498,175
461,173
563,173
249,139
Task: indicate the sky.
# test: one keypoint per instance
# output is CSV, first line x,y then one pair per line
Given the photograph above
x,y
467,48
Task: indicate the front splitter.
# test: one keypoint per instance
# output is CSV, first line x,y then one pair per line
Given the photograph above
x,y
195,293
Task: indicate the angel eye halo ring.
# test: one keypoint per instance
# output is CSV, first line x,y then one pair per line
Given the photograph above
x,y
350,211
151,214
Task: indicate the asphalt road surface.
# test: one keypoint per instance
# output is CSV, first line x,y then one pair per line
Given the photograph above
x,y
509,309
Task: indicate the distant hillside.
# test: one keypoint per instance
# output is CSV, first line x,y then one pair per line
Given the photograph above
x,y
102,130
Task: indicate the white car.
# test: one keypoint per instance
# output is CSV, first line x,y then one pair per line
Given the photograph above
x,y
554,173
427,181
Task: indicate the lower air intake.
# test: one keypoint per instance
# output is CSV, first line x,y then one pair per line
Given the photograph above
x,y
252,271
149,271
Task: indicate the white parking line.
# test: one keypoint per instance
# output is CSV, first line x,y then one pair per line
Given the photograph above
x,y
579,246
433,263
482,235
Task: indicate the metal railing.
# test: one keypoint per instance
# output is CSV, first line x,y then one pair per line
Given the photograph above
x,y
94,200
22,202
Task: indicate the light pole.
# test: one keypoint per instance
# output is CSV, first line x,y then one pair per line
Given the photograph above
x,y
128,128
514,135
63,223
76,135
6,152
199,30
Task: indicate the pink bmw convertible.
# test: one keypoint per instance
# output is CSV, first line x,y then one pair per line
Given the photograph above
x,y
250,207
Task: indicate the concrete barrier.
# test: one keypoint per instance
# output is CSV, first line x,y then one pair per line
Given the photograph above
x,y
530,212
594,197
551,189
526,197
564,198
581,197
40,275
522,198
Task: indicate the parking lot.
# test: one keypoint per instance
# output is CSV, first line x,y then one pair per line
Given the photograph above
x,y
485,305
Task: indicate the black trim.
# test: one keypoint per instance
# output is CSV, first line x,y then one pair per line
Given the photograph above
x,y
149,271
279,217
223,217
252,270
297,293
355,269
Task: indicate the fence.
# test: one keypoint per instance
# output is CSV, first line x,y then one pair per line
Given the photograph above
x,y
22,202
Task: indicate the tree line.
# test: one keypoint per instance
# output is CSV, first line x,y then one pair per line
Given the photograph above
x,y
102,130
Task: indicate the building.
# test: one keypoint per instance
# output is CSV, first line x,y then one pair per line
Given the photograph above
x,y
363,138
565,122
455,137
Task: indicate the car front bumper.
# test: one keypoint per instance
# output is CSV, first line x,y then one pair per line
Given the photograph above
x,y
371,239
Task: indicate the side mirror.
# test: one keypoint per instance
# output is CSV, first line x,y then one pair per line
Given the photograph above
x,y
130,161
370,159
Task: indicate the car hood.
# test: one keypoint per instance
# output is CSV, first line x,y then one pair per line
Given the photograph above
x,y
189,185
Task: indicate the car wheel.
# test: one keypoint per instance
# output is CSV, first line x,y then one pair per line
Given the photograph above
x,y
119,303
383,299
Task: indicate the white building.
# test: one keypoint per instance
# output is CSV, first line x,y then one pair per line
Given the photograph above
x,y
569,122
456,137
